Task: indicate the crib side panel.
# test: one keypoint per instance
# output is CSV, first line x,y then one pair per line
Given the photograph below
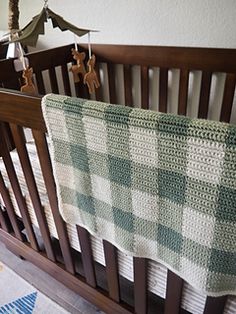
x,y
9,78
117,75
53,72
18,135
45,163
30,117
31,110
207,61
159,78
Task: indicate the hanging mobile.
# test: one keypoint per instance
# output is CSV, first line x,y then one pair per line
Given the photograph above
x,y
91,78
28,36
78,68
27,75
29,87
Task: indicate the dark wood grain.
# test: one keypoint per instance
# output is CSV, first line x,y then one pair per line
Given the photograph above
x,y
128,85
163,90
21,109
111,82
173,293
204,95
228,97
3,221
183,92
9,78
40,83
18,193
87,256
6,132
10,209
53,81
18,135
97,297
144,87
140,285
46,166
81,90
50,58
66,80
98,91
111,259
215,305
205,59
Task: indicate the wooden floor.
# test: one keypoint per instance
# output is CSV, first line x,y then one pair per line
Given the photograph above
x,y
47,285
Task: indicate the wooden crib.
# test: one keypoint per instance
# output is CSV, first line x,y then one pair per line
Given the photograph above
x,y
158,78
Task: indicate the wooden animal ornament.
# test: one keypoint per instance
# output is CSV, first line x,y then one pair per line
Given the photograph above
x,y
91,78
29,85
78,68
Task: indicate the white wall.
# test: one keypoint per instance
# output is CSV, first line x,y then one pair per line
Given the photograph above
x,y
206,23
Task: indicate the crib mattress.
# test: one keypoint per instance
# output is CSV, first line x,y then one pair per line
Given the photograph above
x,y
192,301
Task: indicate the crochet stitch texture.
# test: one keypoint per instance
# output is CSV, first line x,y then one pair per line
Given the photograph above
x,y
155,185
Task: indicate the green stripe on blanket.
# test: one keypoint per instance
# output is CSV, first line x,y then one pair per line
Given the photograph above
x,y
155,185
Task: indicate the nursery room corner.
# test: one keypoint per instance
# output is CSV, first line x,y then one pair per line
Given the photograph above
x,y
118,156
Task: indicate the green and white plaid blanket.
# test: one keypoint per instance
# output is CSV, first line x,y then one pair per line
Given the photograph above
x,y
155,185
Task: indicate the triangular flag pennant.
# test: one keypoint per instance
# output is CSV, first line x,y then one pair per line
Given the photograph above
x,y
22,305
29,34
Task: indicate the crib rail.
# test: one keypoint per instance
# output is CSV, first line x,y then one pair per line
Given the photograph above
x,y
141,76
186,60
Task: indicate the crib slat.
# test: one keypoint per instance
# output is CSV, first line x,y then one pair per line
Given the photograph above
x,y
4,224
8,136
183,91
228,97
46,166
111,82
87,257
81,90
40,83
140,285
84,87
144,87
204,95
128,85
110,253
173,293
18,193
163,89
53,80
215,305
66,80
18,135
78,90
10,209
98,91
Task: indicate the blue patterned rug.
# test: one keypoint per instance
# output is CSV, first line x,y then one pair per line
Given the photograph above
x,y
19,297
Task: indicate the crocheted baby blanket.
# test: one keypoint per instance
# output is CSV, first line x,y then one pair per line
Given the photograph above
x,y
155,185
